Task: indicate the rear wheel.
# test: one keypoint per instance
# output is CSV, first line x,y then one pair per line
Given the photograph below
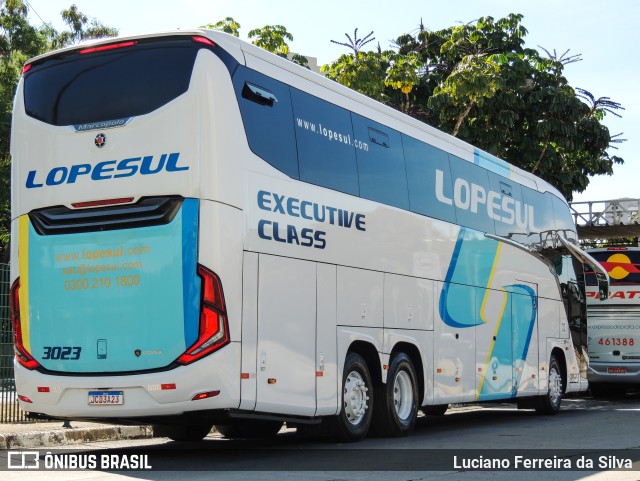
x,y
396,402
252,429
354,420
550,402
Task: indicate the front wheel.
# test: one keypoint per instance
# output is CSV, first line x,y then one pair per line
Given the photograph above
x,y
550,402
354,420
396,402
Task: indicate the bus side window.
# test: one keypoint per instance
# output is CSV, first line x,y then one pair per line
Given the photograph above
x,y
429,179
471,188
265,106
325,143
381,169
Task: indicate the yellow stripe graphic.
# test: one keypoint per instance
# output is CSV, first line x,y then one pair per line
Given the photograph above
x,y
484,319
23,256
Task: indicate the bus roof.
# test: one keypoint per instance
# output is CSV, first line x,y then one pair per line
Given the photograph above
x,y
251,56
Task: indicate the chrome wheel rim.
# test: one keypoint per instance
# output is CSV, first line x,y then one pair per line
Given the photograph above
x,y
555,386
355,397
403,395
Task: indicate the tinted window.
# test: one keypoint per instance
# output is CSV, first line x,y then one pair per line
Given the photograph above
x,y
543,222
564,219
109,85
265,105
383,176
470,195
429,179
505,206
325,143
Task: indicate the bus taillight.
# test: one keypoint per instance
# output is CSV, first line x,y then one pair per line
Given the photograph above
x,y
22,355
111,46
214,327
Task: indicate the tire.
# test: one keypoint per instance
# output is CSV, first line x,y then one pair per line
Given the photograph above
x,y
396,402
186,432
435,410
550,402
249,429
353,422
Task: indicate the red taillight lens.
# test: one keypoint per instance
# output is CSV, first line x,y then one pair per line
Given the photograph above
x,y
111,46
22,355
214,327
26,68
203,40
100,203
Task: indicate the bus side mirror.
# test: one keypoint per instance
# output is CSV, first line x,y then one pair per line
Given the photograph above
x,y
603,287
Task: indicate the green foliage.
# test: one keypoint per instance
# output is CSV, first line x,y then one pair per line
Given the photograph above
x,y
479,82
228,25
272,38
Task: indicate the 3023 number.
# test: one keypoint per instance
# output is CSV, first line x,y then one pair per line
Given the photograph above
x,y
64,353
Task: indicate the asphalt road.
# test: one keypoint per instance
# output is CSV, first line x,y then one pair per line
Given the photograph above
x,y
451,447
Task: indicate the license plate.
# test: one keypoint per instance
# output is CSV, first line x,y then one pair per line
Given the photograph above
x,y
617,370
106,398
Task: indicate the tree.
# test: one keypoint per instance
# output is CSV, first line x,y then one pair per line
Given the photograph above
x,y
356,43
273,38
479,82
20,41
228,25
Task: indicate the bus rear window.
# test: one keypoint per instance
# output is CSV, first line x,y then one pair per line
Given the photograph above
x,y
109,85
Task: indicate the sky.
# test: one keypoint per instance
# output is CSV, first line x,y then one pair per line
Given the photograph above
x,y
602,32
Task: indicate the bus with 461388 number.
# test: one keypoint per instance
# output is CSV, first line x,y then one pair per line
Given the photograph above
x,y
207,234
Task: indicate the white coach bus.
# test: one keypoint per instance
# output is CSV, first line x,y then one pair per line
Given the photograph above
x,y
614,325
205,233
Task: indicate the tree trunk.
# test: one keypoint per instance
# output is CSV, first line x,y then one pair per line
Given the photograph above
x,y
462,117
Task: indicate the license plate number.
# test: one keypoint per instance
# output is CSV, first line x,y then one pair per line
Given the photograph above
x,y
617,370
106,398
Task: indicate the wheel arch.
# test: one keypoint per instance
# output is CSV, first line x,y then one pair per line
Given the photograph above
x,y
370,354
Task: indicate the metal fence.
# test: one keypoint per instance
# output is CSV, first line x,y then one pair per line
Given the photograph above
x,y
10,412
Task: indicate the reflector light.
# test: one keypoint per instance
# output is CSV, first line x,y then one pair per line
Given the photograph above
x,y
204,40
616,248
167,387
99,203
22,355
26,68
111,46
214,327
43,389
24,399
205,395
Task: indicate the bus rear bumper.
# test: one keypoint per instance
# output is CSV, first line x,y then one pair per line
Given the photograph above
x,y
210,384
614,373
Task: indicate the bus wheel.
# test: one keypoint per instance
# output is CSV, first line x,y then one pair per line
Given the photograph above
x,y
435,410
396,402
550,402
247,428
186,432
352,424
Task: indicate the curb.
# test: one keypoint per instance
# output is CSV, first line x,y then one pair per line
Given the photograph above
x,y
59,437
